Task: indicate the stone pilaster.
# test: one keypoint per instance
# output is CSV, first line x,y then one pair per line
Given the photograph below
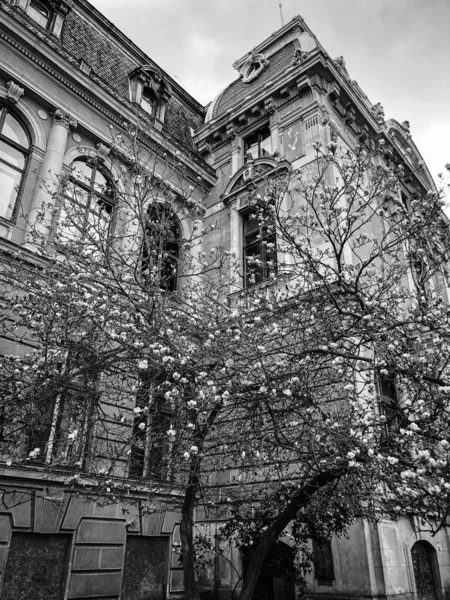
x,y
235,154
274,130
42,207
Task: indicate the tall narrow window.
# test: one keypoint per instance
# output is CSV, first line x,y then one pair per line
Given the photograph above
x,y
151,445
259,144
40,12
160,252
260,251
323,562
389,403
61,416
149,101
14,148
89,200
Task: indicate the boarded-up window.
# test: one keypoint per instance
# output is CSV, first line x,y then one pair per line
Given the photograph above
x,y
145,569
323,562
36,567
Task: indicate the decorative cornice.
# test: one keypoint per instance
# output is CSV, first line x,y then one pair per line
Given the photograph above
x,y
117,120
15,92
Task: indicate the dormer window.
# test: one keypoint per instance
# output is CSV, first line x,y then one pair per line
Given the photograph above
x,y
150,91
39,12
48,14
148,102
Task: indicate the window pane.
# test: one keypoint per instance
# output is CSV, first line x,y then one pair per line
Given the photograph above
x,y
266,145
39,13
99,222
148,103
12,156
13,130
100,180
251,223
9,182
82,171
79,198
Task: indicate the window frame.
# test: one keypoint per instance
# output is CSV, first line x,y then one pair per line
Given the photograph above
x,y
170,282
389,402
261,152
95,165
54,449
4,111
51,12
261,242
154,409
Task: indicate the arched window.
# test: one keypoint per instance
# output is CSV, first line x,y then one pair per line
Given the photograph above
x,y
89,201
160,251
14,148
40,12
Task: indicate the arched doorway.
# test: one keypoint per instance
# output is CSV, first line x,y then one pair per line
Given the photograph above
x,y
426,571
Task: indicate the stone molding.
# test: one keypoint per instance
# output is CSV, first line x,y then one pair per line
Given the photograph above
x,y
15,92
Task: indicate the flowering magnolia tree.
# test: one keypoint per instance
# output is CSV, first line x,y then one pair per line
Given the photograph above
x,y
316,394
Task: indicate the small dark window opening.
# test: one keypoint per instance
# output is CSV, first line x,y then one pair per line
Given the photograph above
x,y
323,562
161,248
260,251
389,404
259,143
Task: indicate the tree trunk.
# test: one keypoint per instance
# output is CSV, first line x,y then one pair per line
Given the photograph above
x,y
272,534
187,533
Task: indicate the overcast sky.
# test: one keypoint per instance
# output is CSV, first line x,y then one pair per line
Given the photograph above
x,y
397,50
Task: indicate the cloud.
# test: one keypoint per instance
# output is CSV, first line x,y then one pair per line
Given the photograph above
x,y
202,46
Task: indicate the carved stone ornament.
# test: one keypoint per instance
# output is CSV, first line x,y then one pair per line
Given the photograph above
x,y
407,127
253,67
340,64
231,130
102,151
333,132
378,111
63,6
59,117
299,57
15,92
248,171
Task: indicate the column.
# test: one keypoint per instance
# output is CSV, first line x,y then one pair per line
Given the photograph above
x,y
42,207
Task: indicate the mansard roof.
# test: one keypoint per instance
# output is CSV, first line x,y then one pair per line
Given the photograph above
x,y
238,90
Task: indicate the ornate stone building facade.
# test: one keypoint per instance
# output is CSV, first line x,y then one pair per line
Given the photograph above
x,y
68,79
